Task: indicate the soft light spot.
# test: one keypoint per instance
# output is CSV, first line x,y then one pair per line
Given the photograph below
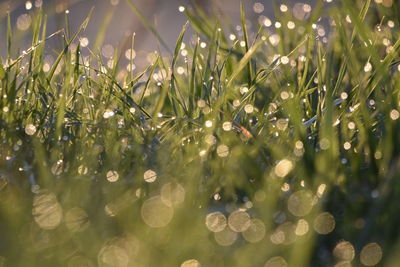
x,y
130,54
284,95
283,8
302,227
344,250
283,168
225,237
216,222
324,223
223,151
155,213
119,252
181,9
300,203
210,139
30,129
284,234
239,221
368,67
112,176
258,7
114,2
394,114
285,187
180,70
46,211
267,22
28,5
76,220
107,51
284,60
321,190
347,145
282,124
191,263
201,103
244,90
227,126
291,25
351,125
84,42
256,231
108,113
301,11
371,254
274,39
113,256
24,22
249,108
276,262
173,194
324,144
150,176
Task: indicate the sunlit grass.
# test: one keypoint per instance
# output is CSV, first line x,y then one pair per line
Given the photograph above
x,y
271,143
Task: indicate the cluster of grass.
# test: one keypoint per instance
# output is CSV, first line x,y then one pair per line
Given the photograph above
x,y
275,147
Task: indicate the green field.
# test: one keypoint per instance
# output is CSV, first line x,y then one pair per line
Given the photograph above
x,y
272,143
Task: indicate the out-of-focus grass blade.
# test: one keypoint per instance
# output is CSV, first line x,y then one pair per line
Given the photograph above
x,y
192,82
2,71
197,24
246,41
9,34
147,25
243,62
153,68
174,87
101,31
60,56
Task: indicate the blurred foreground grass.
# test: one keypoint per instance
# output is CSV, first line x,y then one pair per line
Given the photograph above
x,y
270,144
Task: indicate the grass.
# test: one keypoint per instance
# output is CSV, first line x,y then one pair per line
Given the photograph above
x,y
273,147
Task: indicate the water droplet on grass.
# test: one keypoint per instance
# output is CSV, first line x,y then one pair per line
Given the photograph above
x,y
150,176
112,176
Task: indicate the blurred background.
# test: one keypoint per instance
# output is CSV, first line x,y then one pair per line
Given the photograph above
x,y
163,14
